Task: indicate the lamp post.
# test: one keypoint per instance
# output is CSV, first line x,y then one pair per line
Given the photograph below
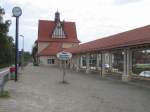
x,y
22,54
17,12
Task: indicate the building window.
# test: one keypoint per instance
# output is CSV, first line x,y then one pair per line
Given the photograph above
x,y
58,31
83,60
51,61
93,59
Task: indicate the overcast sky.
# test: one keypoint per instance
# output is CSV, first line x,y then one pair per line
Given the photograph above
x,y
94,18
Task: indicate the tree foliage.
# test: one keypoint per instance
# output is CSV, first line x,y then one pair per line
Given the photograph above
x,y
34,52
27,56
7,48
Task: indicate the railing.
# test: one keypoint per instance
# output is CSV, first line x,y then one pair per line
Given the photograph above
x,y
4,77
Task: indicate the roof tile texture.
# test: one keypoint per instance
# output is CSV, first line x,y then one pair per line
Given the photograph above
x,y
46,29
52,49
133,37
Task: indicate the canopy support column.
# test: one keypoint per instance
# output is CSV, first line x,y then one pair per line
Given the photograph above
x,y
87,63
127,65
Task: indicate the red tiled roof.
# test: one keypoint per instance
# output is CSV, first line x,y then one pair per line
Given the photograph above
x,y
51,50
46,28
133,37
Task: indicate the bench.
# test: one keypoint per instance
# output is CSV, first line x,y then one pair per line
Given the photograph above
x,y
4,77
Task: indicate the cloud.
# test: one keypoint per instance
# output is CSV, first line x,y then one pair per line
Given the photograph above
x,y
123,2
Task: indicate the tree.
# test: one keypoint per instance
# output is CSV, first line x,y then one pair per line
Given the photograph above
x,y
34,52
24,58
27,56
7,48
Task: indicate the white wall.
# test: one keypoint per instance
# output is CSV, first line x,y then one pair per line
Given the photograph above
x,y
43,60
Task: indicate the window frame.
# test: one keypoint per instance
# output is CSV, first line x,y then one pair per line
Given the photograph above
x,y
51,61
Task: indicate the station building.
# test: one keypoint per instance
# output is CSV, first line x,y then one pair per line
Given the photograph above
x,y
124,53
53,37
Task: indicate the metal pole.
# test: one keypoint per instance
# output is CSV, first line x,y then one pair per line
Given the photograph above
x,y
101,64
22,61
64,71
16,50
22,54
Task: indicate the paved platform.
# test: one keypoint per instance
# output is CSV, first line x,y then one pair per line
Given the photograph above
x,y
39,90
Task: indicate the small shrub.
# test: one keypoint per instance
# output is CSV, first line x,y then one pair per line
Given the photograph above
x,y
138,68
4,94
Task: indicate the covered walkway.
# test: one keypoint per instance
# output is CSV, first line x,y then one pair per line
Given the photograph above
x,y
114,54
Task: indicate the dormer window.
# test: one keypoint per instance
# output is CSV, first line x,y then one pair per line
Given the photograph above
x,y
58,31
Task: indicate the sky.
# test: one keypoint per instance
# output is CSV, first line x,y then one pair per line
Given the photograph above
x,y
94,18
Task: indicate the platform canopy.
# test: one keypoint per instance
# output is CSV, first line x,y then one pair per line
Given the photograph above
x,y
138,36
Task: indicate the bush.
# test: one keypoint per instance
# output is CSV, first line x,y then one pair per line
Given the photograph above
x,y
4,94
138,68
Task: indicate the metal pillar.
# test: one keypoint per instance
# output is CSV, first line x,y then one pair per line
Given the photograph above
x,y
87,63
22,53
98,61
81,64
110,61
16,49
77,63
130,61
64,70
126,71
103,64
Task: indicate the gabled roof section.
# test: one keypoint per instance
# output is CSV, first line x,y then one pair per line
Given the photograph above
x,y
46,28
58,31
51,50
129,38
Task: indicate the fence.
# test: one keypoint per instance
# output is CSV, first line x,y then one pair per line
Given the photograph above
x,y
4,77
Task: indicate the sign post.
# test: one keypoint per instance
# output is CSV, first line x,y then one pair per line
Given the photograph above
x,y
64,70
64,57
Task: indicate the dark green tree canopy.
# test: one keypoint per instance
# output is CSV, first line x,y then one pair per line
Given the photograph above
x,y
7,48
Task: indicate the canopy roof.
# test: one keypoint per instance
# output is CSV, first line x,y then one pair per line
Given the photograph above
x,y
129,38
